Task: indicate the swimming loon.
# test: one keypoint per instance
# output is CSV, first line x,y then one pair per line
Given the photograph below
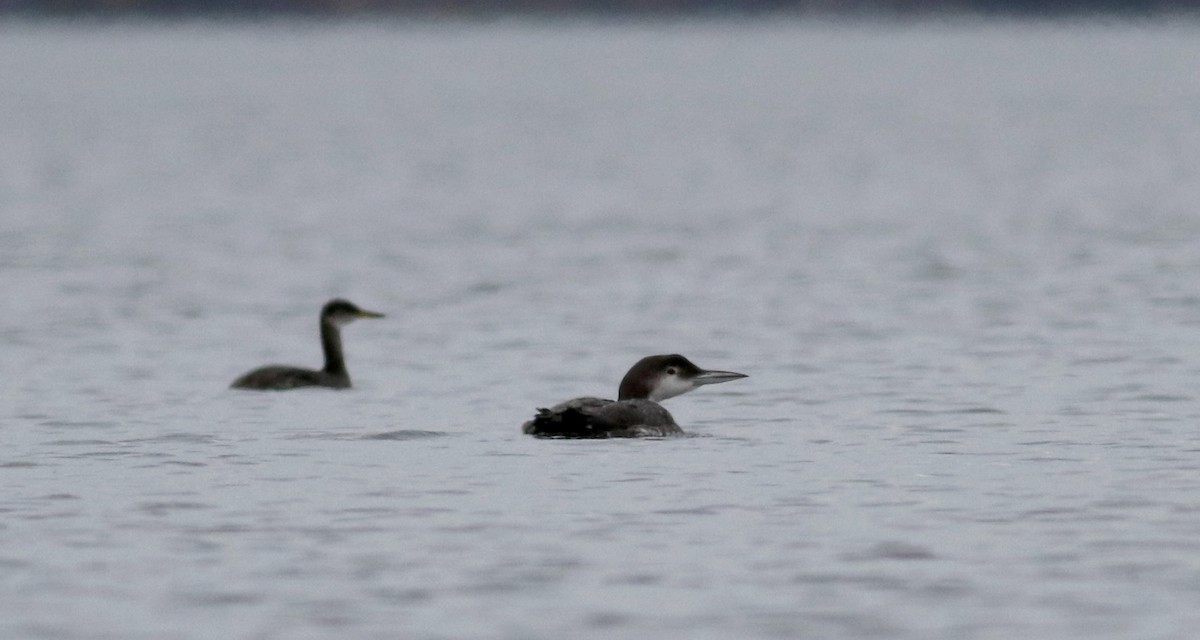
x,y
636,411
334,314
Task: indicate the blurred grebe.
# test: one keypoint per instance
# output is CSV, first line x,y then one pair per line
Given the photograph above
x,y
335,314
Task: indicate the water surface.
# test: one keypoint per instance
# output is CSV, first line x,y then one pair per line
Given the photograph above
x,y
958,262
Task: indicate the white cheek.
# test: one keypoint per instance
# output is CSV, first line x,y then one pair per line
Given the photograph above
x,y
671,386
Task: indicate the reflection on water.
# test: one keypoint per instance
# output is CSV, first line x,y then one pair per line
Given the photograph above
x,y
958,267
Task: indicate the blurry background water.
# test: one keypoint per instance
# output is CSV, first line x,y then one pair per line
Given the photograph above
x,y
958,260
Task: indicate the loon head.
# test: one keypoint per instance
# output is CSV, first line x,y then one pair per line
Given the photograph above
x,y
660,377
342,312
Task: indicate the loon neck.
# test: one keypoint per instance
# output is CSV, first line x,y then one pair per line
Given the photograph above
x,y
633,389
331,343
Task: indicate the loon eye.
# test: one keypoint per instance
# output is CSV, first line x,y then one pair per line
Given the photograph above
x,y
671,371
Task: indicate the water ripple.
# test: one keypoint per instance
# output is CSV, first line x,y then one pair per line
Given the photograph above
x,y
404,434
893,550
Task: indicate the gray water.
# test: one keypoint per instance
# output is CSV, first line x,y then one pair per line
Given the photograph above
x,y
958,261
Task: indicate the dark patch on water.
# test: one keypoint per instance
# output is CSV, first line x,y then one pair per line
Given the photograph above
x,y
693,511
400,595
892,550
638,579
908,412
403,434
185,438
976,410
867,580
486,286
77,423
14,563
608,620
33,416
367,511
164,508
1161,397
104,454
219,598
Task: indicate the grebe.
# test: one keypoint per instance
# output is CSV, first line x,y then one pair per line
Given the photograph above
x,y
334,314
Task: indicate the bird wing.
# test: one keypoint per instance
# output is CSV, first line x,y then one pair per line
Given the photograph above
x,y
599,418
278,377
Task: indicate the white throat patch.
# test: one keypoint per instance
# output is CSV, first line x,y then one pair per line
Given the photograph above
x,y
669,386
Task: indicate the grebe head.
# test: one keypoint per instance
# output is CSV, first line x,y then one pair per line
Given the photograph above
x,y
342,312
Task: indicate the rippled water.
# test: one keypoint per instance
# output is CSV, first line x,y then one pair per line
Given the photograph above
x,y
958,261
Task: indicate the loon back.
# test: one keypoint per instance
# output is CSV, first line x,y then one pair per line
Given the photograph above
x,y
599,418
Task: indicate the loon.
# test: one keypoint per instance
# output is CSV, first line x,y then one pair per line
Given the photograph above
x,y
636,412
334,314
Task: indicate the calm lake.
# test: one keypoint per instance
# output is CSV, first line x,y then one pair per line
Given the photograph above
x,y
959,261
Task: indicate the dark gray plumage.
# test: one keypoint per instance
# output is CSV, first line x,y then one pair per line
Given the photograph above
x,y
333,375
636,412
